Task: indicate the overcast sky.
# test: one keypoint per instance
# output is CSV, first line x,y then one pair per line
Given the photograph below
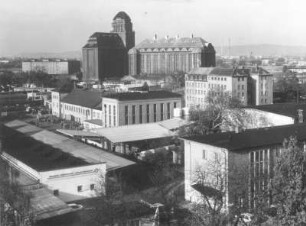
x,y
64,25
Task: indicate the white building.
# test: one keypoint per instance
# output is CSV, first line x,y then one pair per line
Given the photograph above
x,y
79,105
69,169
139,107
200,81
252,86
53,67
247,160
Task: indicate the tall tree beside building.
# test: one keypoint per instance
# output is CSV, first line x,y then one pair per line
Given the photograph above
x,y
289,185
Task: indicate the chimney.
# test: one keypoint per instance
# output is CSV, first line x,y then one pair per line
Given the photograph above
x,y
191,35
155,37
300,116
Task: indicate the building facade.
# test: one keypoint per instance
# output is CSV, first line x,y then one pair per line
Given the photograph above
x,y
53,67
252,86
105,54
139,107
77,106
261,86
252,152
170,55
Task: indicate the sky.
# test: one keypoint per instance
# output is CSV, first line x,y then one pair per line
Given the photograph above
x,y
65,25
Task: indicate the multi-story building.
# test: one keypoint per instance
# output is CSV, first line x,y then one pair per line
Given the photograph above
x,y
106,54
261,84
139,107
170,55
52,67
253,86
200,81
253,152
79,105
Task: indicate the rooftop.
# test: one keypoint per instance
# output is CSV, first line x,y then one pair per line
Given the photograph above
x,y
46,205
122,15
253,138
84,98
288,109
131,133
229,71
143,95
185,42
200,71
63,145
105,40
97,122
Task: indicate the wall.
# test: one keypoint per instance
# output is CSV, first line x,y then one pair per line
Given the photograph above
x,y
66,181
144,104
194,158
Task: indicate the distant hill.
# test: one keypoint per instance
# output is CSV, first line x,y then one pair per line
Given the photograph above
x,y
263,50
67,54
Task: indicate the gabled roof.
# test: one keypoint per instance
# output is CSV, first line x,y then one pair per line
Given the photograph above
x,y
143,95
84,98
253,138
185,42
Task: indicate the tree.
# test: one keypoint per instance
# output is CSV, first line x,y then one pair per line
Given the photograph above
x,y
217,185
289,184
288,85
215,113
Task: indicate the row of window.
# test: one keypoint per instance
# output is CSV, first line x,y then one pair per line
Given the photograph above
x,y
77,109
79,189
109,113
205,156
145,110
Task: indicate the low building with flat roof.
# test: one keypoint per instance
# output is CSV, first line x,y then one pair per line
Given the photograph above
x,y
139,107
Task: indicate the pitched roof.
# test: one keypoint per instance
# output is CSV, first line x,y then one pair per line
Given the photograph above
x,y
76,149
105,40
229,71
288,109
185,42
84,98
252,138
143,95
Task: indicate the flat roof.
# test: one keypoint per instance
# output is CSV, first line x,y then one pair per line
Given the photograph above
x,y
86,154
253,138
143,95
46,205
288,109
95,121
173,123
131,133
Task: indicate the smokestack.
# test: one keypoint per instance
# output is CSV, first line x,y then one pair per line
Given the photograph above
x,y
191,35
300,116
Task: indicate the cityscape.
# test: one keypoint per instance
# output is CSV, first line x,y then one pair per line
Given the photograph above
x,y
152,113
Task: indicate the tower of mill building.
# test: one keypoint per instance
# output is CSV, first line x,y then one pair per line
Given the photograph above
x,y
106,54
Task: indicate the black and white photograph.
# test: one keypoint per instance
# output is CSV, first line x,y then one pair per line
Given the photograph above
x,y
152,113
